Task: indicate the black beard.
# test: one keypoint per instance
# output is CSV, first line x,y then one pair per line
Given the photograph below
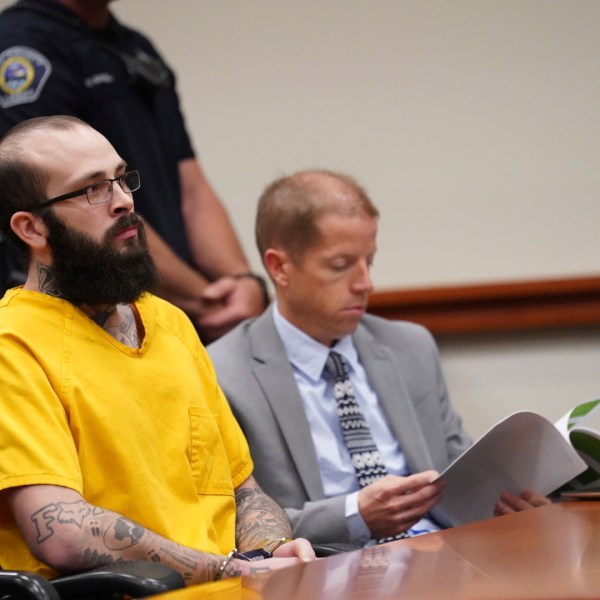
x,y
94,273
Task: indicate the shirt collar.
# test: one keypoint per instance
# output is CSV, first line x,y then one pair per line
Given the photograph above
x,y
305,353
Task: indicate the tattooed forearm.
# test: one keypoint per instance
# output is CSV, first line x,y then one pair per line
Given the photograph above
x,y
188,559
195,567
74,536
63,513
122,534
91,559
258,518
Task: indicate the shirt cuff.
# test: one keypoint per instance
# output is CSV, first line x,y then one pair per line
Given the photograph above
x,y
357,529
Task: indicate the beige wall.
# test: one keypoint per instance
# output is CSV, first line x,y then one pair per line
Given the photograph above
x,y
473,123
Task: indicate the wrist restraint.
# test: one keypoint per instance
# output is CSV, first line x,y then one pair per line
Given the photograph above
x,y
251,555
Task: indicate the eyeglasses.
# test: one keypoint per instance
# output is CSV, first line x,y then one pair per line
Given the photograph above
x,y
101,191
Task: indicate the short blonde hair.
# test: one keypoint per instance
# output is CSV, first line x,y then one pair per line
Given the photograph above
x,y
290,207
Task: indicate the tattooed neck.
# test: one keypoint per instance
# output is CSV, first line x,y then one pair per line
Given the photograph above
x,y
47,281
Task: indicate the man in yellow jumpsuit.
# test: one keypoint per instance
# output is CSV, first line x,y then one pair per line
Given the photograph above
x,y
117,442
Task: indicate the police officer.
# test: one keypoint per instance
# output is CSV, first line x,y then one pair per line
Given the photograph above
x,y
73,57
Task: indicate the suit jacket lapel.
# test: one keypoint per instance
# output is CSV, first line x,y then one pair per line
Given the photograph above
x,y
384,375
276,378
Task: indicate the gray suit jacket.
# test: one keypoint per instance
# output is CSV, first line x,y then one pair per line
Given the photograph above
x,y
402,363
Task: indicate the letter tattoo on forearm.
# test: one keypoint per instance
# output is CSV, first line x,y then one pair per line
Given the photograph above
x,y
64,513
42,520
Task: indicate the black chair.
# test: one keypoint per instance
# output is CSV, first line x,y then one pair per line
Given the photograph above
x,y
132,579
26,586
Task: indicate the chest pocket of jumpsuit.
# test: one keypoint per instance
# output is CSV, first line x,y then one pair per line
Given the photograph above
x,y
210,467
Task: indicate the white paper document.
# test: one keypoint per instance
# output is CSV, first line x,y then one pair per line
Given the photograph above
x,y
523,451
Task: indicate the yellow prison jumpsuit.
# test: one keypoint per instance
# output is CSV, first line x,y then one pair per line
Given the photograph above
x,y
144,432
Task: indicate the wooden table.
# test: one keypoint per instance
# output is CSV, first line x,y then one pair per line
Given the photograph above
x,y
549,553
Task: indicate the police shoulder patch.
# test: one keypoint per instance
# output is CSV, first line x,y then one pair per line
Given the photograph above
x,y
23,74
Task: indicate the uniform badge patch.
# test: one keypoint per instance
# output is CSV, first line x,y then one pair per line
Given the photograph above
x,y
23,74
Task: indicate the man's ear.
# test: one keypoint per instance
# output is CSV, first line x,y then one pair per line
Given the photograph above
x,y
30,228
277,263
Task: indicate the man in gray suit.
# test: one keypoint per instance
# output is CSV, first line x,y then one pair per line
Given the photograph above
x,y
316,232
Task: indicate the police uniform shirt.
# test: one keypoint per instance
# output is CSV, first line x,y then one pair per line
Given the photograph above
x,y
51,63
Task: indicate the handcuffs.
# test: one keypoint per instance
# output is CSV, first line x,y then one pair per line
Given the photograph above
x,y
251,555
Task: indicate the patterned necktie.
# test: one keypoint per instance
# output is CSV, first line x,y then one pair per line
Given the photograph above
x,y
366,458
